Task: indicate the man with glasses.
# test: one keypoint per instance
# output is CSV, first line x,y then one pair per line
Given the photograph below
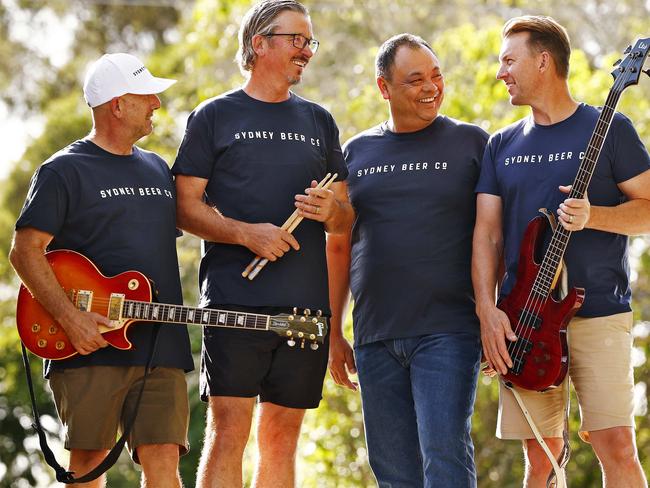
x,y
241,170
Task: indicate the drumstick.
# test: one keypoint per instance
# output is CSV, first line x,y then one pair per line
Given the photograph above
x,y
285,226
297,221
292,227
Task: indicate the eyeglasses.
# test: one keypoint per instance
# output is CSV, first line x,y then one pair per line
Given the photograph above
x,y
300,42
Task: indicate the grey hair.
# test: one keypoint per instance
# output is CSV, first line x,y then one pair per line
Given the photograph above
x,y
386,56
260,20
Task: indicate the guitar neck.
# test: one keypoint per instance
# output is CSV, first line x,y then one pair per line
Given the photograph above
x,y
558,244
179,314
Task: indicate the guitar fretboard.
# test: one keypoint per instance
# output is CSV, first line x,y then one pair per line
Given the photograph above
x,y
159,312
559,241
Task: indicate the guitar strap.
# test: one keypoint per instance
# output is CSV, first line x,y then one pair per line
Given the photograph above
x,y
63,475
556,478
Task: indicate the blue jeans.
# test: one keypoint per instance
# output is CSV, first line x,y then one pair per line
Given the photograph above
x,y
418,398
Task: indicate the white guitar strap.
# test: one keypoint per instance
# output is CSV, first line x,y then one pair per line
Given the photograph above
x,y
556,478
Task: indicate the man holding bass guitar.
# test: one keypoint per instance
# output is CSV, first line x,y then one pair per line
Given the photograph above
x,y
113,202
524,168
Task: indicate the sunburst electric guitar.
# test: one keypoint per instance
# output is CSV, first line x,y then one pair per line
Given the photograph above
x,y
127,299
540,353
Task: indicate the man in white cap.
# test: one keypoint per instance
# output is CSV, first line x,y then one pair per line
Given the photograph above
x,y
113,202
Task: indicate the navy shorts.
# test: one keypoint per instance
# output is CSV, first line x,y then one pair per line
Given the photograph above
x,y
250,363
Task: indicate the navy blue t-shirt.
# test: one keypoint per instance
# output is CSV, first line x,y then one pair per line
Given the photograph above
x,y
413,194
120,212
256,157
525,163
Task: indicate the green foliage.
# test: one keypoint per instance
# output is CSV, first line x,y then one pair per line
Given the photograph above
x,y
196,44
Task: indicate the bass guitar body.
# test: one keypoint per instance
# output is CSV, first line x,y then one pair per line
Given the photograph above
x,y
77,275
540,354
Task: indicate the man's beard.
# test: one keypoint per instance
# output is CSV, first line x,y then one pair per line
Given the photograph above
x,y
294,80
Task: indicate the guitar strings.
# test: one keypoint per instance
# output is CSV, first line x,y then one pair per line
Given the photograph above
x,y
139,310
538,302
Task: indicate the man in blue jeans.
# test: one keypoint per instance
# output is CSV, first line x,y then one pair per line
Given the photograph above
x,y
407,260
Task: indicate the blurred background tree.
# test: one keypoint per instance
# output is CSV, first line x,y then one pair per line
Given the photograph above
x,y
195,42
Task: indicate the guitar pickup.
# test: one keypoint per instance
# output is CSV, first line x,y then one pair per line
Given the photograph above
x,y
84,300
519,349
115,304
530,319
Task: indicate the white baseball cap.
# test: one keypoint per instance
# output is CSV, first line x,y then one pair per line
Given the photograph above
x,y
114,75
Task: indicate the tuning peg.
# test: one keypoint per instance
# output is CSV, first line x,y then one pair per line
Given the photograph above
x,y
319,313
295,310
628,49
291,343
302,344
617,62
647,71
314,346
307,312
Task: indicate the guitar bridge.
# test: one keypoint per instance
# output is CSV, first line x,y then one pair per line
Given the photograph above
x,y
523,346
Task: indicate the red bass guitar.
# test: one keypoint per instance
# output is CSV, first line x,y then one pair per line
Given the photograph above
x,y
126,299
540,354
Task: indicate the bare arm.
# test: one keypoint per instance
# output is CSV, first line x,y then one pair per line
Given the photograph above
x,y
341,357
487,256
27,258
631,217
194,215
330,206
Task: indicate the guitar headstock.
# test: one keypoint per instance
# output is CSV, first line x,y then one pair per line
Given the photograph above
x,y
302,328
628,70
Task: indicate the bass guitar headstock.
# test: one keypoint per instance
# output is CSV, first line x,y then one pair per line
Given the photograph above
x,y
300,328
628,70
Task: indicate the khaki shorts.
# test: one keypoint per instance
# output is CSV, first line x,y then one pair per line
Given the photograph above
x,y
94,402
600,368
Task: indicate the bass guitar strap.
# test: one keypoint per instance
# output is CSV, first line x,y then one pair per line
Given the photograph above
x,y
63,475
556,478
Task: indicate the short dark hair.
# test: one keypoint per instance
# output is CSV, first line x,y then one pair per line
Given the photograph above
x,y
260,19
545,35
385,59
